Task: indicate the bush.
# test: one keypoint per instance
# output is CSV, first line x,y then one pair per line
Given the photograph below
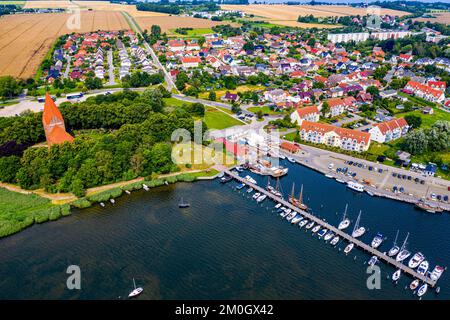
x,y
81,203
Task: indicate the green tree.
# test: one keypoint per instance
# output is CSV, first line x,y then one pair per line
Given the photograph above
x,y
9,87
416,142
212,95
154,99
413,121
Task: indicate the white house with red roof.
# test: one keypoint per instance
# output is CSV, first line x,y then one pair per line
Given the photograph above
x,y
330,135
310,113
389,130
190,62
425,92
438,85
340,105
176,45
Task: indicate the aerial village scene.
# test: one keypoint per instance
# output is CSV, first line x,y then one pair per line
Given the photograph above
x,y
333,118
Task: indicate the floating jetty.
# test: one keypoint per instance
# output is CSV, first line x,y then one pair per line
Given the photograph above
x,y
337,232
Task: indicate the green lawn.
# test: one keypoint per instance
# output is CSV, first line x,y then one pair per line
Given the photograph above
x,y
18,211
264,110
216,119
175,102
428,119
198,32
19,3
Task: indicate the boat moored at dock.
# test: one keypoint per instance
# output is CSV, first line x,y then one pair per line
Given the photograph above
x,y
355,186
349,248
377,240
357,230
416,260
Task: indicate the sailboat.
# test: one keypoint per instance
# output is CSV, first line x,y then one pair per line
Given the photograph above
x,y
136,291
297,202
404,253
183,204
345,221
276,190
357,230
395,248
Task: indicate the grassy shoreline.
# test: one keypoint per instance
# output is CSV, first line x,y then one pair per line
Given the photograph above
x,y
19,211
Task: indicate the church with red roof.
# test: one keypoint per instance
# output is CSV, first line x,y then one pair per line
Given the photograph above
x,y
53,121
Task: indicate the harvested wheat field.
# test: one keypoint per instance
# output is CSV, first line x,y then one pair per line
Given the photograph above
x,y
439,17
93,5
280,14
173,22
26,38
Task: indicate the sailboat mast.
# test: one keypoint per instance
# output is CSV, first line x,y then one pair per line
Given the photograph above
x,y
395,241
345,211
134,283
300,198
293,185
357,222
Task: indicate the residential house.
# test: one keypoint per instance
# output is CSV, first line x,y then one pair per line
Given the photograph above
x,y
389,130
311,114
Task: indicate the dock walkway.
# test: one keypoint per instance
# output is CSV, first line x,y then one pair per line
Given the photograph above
x,y
338,232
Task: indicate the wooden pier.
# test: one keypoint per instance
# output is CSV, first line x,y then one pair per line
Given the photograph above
x,y
340,233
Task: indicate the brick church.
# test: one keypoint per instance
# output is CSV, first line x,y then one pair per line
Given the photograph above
x,y
53,121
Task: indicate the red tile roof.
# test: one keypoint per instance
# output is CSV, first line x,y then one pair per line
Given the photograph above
x,y
391,125
302,112
342,132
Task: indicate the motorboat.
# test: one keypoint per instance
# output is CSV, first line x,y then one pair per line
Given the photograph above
x,y
377,240
315,229
225,179
239,169
329,175
250,179
395,248
256,195
277,206
422,290
183,204
340,180
286,213
250,190
292,160
423,267
345,221
261,198
302,223
396,275
296,219
373,261
310,225
328,236
413,285
355,186
357,230
349,248
240,186
291,216
404,253
322,233
136,291
436,273
335,240
416,260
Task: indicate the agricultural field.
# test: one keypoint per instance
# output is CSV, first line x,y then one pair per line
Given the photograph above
x,y
439,17
26,38
172,22
95,6
288,15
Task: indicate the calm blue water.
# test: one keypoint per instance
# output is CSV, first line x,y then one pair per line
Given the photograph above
x,y
224,247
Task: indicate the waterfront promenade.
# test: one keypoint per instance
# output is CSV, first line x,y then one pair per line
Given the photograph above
x,y
342,234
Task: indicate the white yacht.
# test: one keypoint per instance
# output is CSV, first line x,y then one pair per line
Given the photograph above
x,y
436,273
396,275
404,253
373,261
297,219
322,232
303,222
416,260
349,248
278,206
335,240
310,225
315,229
376,242
395,248
291,216
250,179
345,221
261,198
250,190
256,195
423,267
357,230
422,290
328,236
292,160
355,186
136,291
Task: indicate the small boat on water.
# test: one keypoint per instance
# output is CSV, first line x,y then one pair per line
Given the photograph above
x,y
328,236
183,204
136,291
146,188
349,248
285,213
250,179
261,198
240,186
423,267
416,260
127,191
404,253
292,160
377,240
226,179
329,175
322,233
302,223
396,275
278,205
340,180
355,186
436,273
266,169
297,202
310,225
239,169
335,240
291,216
256,195
275,191
428,208
297,219
413,285
395,248
438,289
422,290
345,221
315,229
250,190
373,261
357,230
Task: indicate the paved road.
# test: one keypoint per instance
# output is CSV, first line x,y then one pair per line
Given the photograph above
x,y
111,81
66,72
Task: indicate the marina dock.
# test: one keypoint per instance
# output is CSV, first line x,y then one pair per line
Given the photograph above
x,y
381,256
